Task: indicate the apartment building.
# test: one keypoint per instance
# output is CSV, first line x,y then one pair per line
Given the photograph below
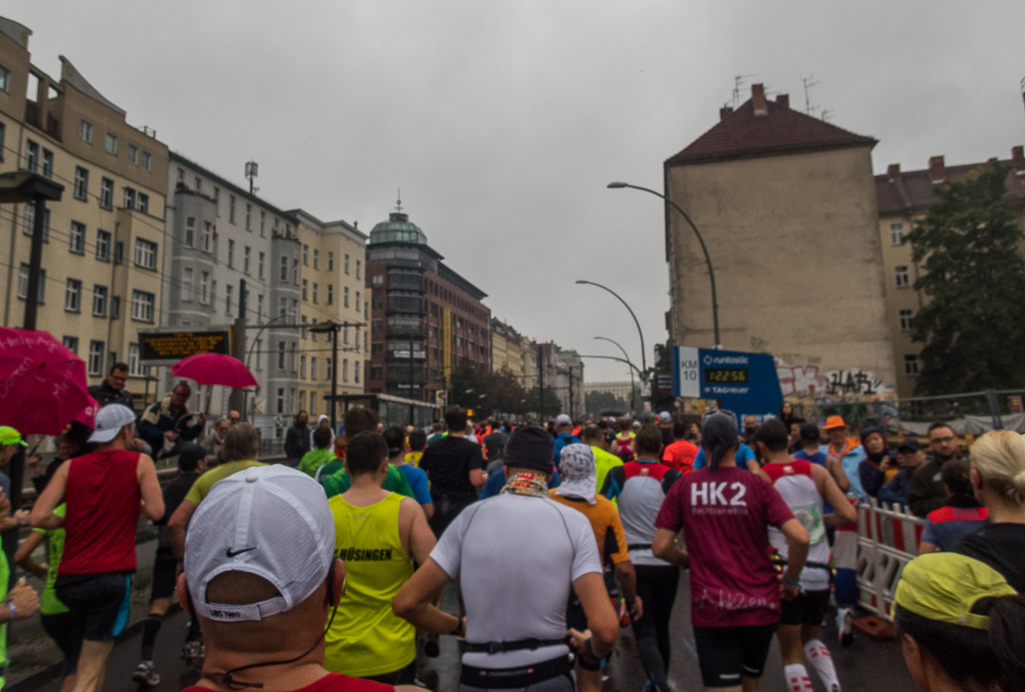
x,y
104,242
219,237
507,350
332,289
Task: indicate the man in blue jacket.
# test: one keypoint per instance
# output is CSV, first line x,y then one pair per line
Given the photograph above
x,y
170,419
564,435
910,456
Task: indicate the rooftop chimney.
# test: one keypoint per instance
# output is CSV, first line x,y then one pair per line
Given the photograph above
x,y
937,170
783,100
724,111
758,99
893,171
1018,159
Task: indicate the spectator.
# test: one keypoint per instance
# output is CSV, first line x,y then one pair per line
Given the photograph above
x,y
927,491
112,390
910,457
262,606
788,415
169,420
879,465
795,434
960,516
320,455
998,477
297,439
215,441
69,446
960,625
846,449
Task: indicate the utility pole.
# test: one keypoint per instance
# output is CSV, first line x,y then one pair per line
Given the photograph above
x,y
540,385
570,391
412,408
334,380
236,401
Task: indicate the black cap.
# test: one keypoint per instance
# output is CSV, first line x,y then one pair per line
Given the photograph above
x,y
912,444
530,448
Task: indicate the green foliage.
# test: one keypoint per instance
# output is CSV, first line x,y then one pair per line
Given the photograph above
x,y
597,402
502,391
551,407
969,247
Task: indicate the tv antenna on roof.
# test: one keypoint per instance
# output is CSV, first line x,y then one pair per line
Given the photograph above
x,y
398,202
737,82
808,84
252,170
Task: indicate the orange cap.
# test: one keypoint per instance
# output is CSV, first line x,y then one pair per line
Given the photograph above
x,y
834,422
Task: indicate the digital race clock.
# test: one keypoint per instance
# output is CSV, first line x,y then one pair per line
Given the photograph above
x,y
726,375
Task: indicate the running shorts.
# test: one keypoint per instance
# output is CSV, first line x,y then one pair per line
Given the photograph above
x,y
809,608
727,653
164,577
97,603
61,628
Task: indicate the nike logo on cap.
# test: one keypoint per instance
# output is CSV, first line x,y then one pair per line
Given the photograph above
x,y
232,553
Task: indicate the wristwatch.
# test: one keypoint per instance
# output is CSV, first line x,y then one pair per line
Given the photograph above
x,y
458,631
791,583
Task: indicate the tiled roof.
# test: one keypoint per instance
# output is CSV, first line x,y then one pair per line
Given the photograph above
x,y
742,134
900,192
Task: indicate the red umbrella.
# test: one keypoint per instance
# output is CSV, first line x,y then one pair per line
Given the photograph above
x,y
214,368
42,382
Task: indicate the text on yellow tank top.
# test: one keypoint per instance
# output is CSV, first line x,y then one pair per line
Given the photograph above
x,y
366,638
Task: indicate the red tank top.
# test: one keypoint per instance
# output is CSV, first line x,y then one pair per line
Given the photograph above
x,y
102,497
800,467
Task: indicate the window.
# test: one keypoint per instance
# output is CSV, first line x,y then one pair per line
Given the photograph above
x,y
905,320
23,283
190,231
284,269
187,283
902,277
111,144
330,294
358,276
376,349
5,79
295,271
245,259
258,350
213,298
142,305
306,255
259,266
143,204
133,154
115,308
85,131
281,356
315,287
231,208
313,368
376,372
199,184
103,245
302,367
145,160
76,240
302,330
135,368
281,400
145,254
302,399
910,364
263,221
282,306
330,261
249,215
377,280
316,260
295,310
47,163
181,174
376,326
345,369
71,342
357,301
228,290
231,254
306,284
73,295
355,371
897,233
81,183
119,251
3,137
106,193
96,357
327,368
129,200
31,155
204,288
345,296
99,300
204,238
345,334
313,335
346,264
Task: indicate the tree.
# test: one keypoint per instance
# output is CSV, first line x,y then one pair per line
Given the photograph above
x,y
970,247
597,402
551,407
487,392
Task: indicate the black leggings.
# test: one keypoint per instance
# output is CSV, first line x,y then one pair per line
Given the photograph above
x,y
656,585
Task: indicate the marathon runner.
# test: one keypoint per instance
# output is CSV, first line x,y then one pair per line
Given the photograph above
x,y
723,512
378,535
640,487
604,461
455,467
395,438
320,454
579,491
333,477
518,555
806,487
104,492
681,453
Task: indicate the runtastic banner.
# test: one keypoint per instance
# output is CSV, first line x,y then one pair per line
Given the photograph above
x,y
745,383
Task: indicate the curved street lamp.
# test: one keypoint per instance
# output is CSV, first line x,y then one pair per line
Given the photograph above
x,y
605,338
644,360
711,272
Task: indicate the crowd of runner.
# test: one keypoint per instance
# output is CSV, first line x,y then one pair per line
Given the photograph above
x,y
328,572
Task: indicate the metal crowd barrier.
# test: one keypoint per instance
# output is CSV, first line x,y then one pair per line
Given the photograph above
x,y
888,539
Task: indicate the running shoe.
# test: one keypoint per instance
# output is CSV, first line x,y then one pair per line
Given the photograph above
x,y
193,653
845,626
146,674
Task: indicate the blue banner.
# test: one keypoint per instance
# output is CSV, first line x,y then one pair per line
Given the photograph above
x,y
745,383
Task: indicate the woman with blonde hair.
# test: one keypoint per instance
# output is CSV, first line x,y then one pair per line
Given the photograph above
x,y
998,479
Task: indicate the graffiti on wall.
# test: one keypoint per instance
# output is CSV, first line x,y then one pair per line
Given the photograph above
x,y
809,380
853,382
801,380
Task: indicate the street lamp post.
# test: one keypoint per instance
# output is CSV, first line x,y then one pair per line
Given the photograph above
x,y
631,370
333,328
708,259
644,360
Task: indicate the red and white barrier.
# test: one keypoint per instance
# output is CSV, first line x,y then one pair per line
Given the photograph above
x,y
888,538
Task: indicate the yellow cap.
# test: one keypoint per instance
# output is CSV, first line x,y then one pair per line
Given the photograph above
x,y
10,436
945,586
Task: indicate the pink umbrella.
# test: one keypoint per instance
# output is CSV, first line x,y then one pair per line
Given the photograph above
x,y
214,368
88,414
42,382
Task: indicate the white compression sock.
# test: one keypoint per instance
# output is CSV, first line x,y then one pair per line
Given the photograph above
x,y
819,658
797,678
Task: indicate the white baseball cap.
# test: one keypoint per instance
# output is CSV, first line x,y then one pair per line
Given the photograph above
x,y
563,419
579,478
271,521
664,417
109,421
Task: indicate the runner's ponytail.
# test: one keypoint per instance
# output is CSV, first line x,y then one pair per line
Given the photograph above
x,y
1006,636
719,435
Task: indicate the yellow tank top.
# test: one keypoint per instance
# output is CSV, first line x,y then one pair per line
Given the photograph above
x,y
366,638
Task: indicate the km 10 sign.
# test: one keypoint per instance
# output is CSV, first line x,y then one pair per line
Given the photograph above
x,y
744,382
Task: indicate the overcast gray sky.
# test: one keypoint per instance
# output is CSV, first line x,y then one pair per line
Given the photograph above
x,y
503,121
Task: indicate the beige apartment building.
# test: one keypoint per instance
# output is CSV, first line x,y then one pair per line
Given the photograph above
x,y
507,350
904,198
104,240
332,289
786,204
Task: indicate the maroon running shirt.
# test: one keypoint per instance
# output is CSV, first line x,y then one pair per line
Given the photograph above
x,y
724,515
332,682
